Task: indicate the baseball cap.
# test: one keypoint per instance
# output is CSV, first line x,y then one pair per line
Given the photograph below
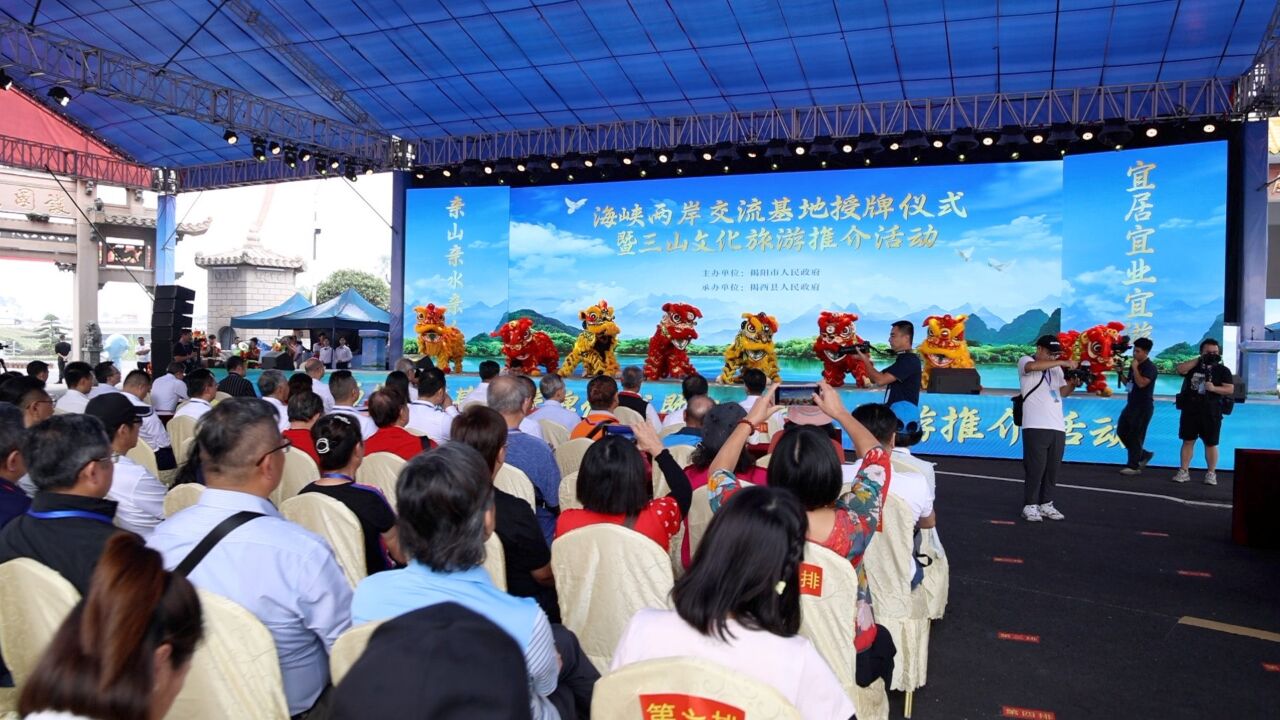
x,y
114,410
720,422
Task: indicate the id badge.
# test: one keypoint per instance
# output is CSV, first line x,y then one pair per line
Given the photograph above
x,y
1054,394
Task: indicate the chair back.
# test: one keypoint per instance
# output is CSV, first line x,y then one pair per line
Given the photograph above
x,y
348,648
381,470
181,428
181,497
828,603
699,517
144,456
683,455
235,672
763,462
554,433
569,454
495,562
937,577
627,416
299,471
569,492
889,560
693,687
604,574
332,521
513,481
34,600
219,397
671,429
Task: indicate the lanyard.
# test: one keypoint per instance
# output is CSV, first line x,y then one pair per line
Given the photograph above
x,y
57,514
338,476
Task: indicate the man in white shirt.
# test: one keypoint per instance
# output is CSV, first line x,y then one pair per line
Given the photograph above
x,y
406,366
107,377
552,407
139,495
480,393
342,355
136,386
283,574
315,368
528,425
274,388
433,412
1044,430
324,351
143,353
79,378
755,381
201,388
690,386
346,393
169,389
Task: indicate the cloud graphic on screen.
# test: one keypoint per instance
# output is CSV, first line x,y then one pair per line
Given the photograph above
x,y
1175,224
1109,276
545,239
479,245
1018,186
1023,233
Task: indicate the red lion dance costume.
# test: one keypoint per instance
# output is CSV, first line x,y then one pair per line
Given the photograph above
x,y
1093,346
667,356
836,330
525,348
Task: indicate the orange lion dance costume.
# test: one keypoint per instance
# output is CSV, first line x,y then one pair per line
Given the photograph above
x,y
667,355
837,330
1093,346
526,348
442,343
944,345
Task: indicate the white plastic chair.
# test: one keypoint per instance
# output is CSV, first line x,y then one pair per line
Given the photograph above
x,y
144,456
617,695
682,454
890,565
569,492
513,481
937,577
181,429
627,416
299,471
569,455
348,648
495,562
334,522
34,601
554,433
181,497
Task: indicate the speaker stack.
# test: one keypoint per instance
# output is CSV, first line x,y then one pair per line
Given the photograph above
x,y
170,316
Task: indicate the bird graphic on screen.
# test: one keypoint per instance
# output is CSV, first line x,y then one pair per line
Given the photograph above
x,y
999,266
574,205
965,254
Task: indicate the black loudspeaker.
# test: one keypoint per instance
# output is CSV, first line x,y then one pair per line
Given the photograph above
x,y
170,315
1255,499
955,381
175,292
172,305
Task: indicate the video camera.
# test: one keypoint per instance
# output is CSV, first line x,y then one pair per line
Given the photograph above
x,y
1083,374
1122,345
863,347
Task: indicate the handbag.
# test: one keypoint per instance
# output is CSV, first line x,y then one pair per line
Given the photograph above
x,y
1018,400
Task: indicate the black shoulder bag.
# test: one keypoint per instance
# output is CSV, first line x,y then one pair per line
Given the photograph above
x,y
1018,400
214,537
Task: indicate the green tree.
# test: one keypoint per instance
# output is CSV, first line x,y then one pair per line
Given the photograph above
x,y
373,288
50,332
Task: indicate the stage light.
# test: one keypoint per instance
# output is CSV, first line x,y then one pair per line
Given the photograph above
x,y
446,172
291,157
322,168
1116,132
679,171
420,173
823,163
775,149
644,157
1209,127
1037,138
963,140
334,163
519,167
914,140
869,144
1012,135
1015,155
987,141
1152,131
350,172
1086,135
683,154
726,168
6,82
588,162
960,157
626,160
706,155
260,149
304,155
937,143
60,95
846,148
915,158
572,161
570,177
1062,152
1061,134
893,145
643,172
555,165
662,157
368,169
773,166
822,146
752,152
231,136
607,161
726,152
799,150
488,169
867,162
274,148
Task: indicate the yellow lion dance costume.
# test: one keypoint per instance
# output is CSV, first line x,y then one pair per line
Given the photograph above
x,y
595,345
442,343
944,345
752,348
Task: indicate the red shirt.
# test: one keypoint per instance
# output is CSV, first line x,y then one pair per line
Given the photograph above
x,y
659,521
396,440
301,439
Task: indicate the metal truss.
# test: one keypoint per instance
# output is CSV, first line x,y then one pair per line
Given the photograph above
x,y
1257,92
17,152
65,61
1081,106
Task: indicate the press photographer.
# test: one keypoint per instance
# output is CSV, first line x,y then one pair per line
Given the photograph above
x,y
1138,377
1205,397
1044,431
902,378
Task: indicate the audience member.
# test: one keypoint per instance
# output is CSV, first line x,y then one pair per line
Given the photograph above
x,y
527,556
29,395
805,463
528,425
275,390
68,458
235,384
315,368
62,349
39,370
346,393
342,355
142,354
338,443
283,574
124,651
300,382
444,661
13,500
721,422
755,381
201,389
690,386
739,606
398,382
508,396
79,378
433,412
169,389
107,377
138,494
602,397
695,414
137,385
305,408
630,397
552,407
253,354
446,503
480,393
410,370
390,413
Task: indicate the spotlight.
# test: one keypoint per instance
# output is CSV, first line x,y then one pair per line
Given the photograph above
x,y
960,157
1116,132
368,169
1037,138
1012,135
570,177
322,165
1086,135
643,172
663,157
726,152
987,140
773,166
846,148
231,136
291,157
893,145
626,159
915,158
913,140
589,162
446,172
937,143
519,167
420,173
867,162
555,165
60,95
1209,127
274,148
683,154
488,169
1152,131
869,144
963,140
775,149
304,155
752,152
706,155
679,171
260,149
799,150
350,172
823,146
6,82
334,163
1015,155
726,168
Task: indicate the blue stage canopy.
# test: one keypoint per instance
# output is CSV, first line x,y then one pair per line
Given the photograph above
x,y
267,319
348,311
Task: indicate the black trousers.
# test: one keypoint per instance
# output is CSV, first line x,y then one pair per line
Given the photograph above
x,y
1041,457
62,364
578,676
1132,429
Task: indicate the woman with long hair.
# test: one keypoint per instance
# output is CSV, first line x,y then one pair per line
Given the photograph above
x,y
124,651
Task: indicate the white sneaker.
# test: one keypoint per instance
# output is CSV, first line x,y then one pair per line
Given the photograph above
x,y
1031,513
1182,476
1051,512
1211,478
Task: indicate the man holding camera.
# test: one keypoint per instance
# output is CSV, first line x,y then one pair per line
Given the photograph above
x,y
1139,382
1044,429
1206,384
902,378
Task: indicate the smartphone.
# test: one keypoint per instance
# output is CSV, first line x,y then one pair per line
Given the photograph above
x,y
795,394
623,430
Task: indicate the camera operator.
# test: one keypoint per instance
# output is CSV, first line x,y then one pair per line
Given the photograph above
x,y
1044,430
1206,382
1139,381
902,378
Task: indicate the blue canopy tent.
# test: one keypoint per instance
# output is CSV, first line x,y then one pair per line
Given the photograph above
x,y
348,311
269,318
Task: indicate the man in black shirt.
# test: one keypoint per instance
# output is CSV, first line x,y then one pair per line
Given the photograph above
x,y
1206,382
185,352
63,349
1139,379
902,378
235,384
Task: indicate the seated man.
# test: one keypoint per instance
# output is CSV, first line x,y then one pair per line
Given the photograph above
x,y
630,397
13,501
527,424
79,377
446,514
346,393
275,390
552,407
433,412
138,494
690,386
29,395
69,459
410,370
285,575
507,395
235,384
137,385
695,412
107,376
315,370
480,393
39,370
169,389
602,396
202,389
305,408
390,413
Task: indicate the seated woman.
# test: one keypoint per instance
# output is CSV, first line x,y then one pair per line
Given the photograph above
x,y
124,651
739,606
390,413
719,424
340,449
527,557
305,408
615,485
805,464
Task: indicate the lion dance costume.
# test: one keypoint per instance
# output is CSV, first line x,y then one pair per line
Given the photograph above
x,y
836,330
752,348
595,345
1093,346
944,345
667,356
442,343
526,348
